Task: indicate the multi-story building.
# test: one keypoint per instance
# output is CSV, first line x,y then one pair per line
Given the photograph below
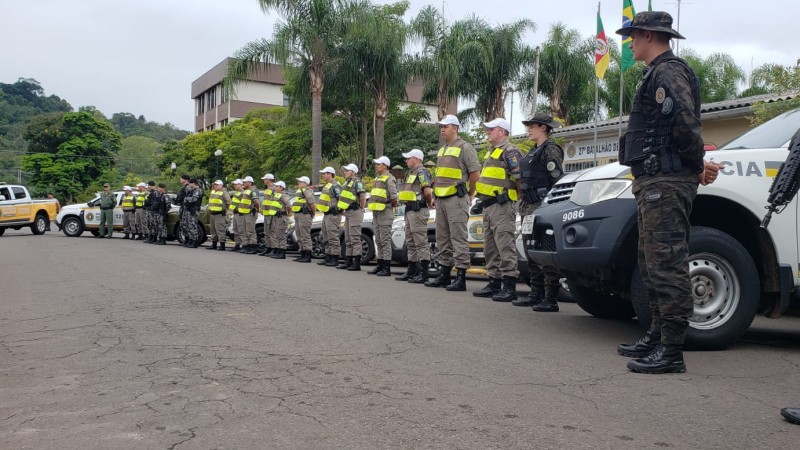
x,y
263,88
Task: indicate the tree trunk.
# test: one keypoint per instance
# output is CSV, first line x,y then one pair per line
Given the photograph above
x,y
317,85
362,164
442,104
381,110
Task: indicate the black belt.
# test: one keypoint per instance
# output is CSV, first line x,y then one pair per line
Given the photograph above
x,y
216,213
329,213
280,214
352,207
106,209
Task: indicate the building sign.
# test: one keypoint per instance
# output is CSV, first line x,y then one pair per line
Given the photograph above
x,y
585,150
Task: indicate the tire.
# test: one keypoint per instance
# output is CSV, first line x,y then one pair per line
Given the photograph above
x,y
261,238
95,233
604,306
73,227
725,287
177,233
39,225
433,268
367,248
317,247
203,234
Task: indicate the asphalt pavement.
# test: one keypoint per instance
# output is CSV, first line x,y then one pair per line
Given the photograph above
x,y
108,343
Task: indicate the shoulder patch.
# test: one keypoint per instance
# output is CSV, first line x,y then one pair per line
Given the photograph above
x,y
666,107
551,166
660,95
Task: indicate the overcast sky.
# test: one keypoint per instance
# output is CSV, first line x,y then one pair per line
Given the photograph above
x,y
142,56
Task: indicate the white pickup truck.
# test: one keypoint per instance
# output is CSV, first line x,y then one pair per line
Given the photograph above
x,y
18,209
587,229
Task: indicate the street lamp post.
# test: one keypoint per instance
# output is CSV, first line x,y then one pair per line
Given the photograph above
x,y
218,154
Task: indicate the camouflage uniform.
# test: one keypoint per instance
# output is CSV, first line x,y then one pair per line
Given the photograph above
x,y
669,97
152,230
182,214
160,208
189,221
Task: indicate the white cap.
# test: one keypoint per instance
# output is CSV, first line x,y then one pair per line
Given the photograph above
x,y
498,122
248,178
383,160
268,176
415,153
328,169
352,167
281,184
126,188
219,182
237,181
449,120
144,185
304,180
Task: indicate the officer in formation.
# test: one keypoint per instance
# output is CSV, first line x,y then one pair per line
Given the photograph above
x,y
159,206
247,210
382,201
107,203
498,191
352,200
148,203
184,222
128,204
539,170
268,212
218,203
332,221
664,149
304,209
280,220
233,210
417,198
191,206
141,211
457,171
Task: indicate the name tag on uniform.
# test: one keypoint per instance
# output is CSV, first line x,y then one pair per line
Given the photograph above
x,y
527,224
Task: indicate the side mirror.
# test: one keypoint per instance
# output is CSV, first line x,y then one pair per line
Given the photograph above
x,y
2,197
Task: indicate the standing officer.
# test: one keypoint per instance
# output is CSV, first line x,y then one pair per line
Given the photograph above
x,y
160,205
417,198
280,219
332,221
233,210
457,169
141,213
152,231
540,169
304,209
218,203
248,205
351,201
107,203
128,213
268,211
183,221
192,201
498,190
664,149
382,201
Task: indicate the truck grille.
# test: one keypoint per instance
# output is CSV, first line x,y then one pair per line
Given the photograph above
x,y
559,193
545,242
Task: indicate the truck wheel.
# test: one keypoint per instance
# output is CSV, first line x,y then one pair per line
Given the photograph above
x,y
317,248
177,233
261,238
72,226
604,306
725,290
203,234
367,248
39,225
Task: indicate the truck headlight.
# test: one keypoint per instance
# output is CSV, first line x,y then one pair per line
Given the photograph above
x,y
589,192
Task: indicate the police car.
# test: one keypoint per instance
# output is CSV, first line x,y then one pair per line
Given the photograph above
x,y
587,228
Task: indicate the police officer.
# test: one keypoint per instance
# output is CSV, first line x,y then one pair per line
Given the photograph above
x,y
233,210
417,198
332,220
382,201
280,219
540,169
248,207
108,200
183,220
457,171
498,190
218,203
152,231
268,211
304,208
192,202
664,149
141,212
160,207
352,201
128,204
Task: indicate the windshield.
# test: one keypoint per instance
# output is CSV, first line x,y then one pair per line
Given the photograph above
x,y
773,134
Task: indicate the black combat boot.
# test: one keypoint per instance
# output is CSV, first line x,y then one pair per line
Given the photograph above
x,y
509,292
195,243
356,265
334,261
460,282
385,269
279,253
443,280
642,347
665,358
345,263
300,256
151,240
221,247
235,248
493,287
213,245
162,241
377,268
533,298
549,304
411,270
140,237
305,256
422,275
126,236
266,252
249,249
324,260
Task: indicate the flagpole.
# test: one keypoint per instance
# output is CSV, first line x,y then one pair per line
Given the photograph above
x,y
596,113
621,97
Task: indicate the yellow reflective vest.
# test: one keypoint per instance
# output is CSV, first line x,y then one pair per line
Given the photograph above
x,y
348,195
494,177
245,202
127,202
215,202
324,202
379,195
448,172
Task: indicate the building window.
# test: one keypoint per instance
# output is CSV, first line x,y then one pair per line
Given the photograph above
x,y
201,104
223,94
211,98
223,123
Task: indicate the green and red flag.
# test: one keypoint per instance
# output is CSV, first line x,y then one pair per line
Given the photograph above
x,y
601,56
627,17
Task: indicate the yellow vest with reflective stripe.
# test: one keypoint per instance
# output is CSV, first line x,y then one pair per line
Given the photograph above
x,y
448,171
299,201
348,195
324,202
411,191
245,202
139,203
494,177
127,202
235,199
379,194
271,204
215,201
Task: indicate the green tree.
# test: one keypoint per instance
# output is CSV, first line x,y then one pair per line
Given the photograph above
x,y
129,125
66,152
718,74
139,155
774,79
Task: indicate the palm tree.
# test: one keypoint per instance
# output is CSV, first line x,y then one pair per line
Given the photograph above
x,y
310,32
774,79
718,74
609,91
